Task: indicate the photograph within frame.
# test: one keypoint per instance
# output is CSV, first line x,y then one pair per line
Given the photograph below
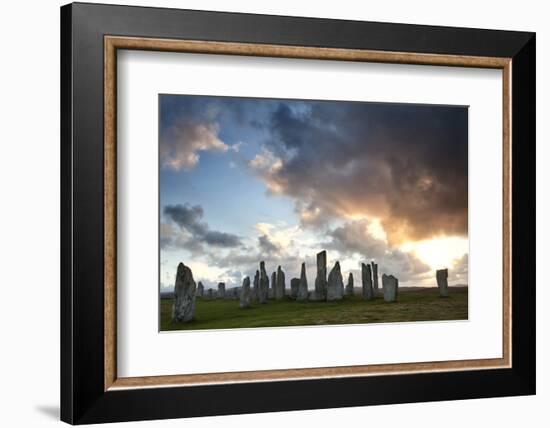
x,y
373,183
113,43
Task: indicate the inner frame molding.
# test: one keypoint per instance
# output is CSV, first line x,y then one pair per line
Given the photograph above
x,y
113,43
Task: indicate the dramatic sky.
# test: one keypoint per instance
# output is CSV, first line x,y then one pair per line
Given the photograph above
x,y
244,180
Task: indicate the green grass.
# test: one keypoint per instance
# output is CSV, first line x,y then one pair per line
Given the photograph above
x,y
413,305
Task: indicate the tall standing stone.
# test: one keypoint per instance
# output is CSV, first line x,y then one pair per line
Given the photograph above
x,y
200,289
375,277
245,293
183,307
209,294
390,285
321,278
441,276
255,292
271,294
366,279
294,286
349,285
280,289
335,283
302,288
264,284
221,290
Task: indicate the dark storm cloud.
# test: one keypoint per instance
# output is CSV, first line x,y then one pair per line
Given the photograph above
x,y
189,218
405,164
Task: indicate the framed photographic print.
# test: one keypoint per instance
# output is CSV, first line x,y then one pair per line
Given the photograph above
x,y
273,213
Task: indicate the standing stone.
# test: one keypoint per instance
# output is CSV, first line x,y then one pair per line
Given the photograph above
x,y
349,285
221,290
375,277
245,293
280,289
200,290
335,283
390,284
264,284
302,287
255,292
183,307
209,294
321,279
366,278
294,286
441,276
273,285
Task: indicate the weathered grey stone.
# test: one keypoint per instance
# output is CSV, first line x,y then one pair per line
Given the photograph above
x,y
321,278
302,286
390,285
200,289
294,286
349,285
245,293
221,290
183,307
209,294
312,296
280,288
375,278
264,284
273,285
441,276
255,292
366,279
335,283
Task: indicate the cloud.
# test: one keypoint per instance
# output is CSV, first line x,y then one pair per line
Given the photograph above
x,y
181,143
266,245
355,237
268,166
358,238
404,164
364,179
236,147
458,273
407,267
189,219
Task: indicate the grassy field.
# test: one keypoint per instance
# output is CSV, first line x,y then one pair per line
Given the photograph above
x,y
412,305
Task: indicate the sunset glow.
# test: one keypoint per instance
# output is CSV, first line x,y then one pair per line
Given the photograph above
x,y
439,253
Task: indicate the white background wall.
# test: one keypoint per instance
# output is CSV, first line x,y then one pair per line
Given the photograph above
x,y
29,213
